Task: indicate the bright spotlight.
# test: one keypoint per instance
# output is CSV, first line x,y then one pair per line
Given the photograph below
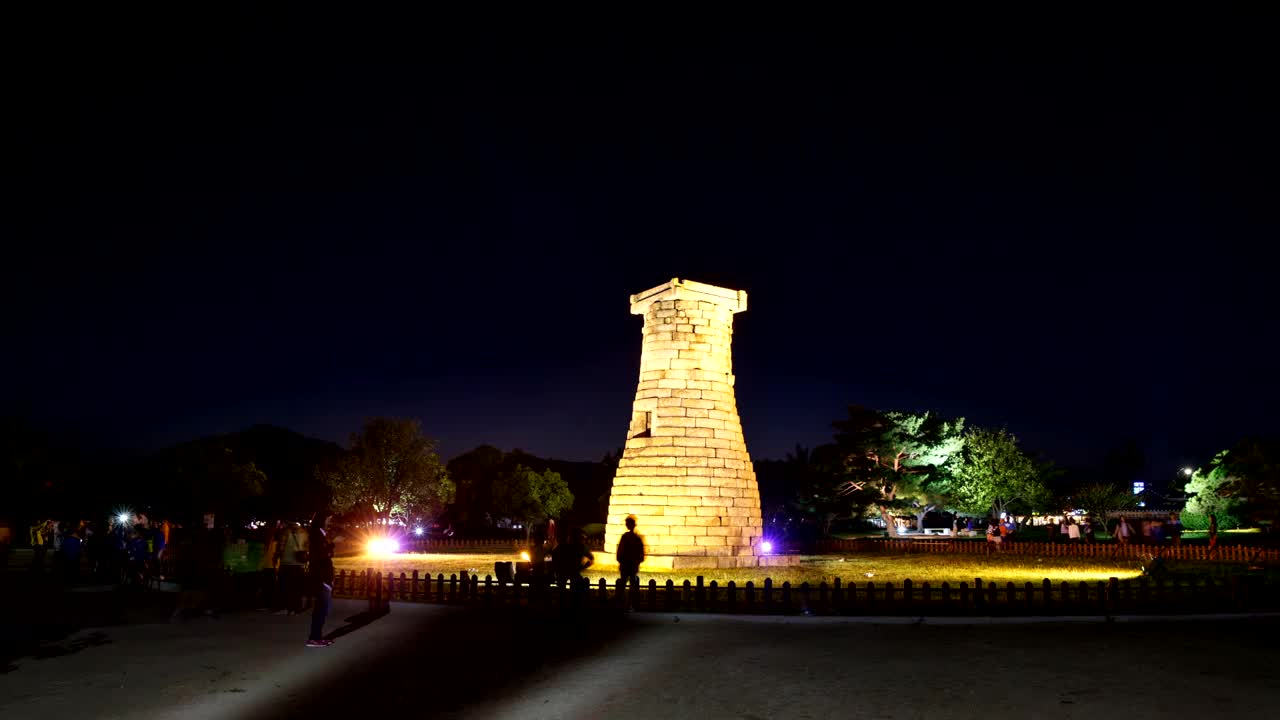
x,y
524,556
766,547
1187,471
383,546
418,531
123,518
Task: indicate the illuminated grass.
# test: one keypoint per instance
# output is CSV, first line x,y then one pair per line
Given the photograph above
x,y
813,569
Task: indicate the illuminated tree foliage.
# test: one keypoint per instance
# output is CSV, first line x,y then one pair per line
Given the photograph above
x,y
993,473
1253,477
390,470
1240,483
897,460
531,496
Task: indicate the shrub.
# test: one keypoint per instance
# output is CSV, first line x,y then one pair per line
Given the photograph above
x,y
1192,520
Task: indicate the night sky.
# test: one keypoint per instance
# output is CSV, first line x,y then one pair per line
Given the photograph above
x,y
305,219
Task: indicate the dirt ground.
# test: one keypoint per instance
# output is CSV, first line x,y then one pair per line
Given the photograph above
x,y
429,661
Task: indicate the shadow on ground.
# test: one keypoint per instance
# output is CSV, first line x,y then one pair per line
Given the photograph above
x,y
36,618
446,663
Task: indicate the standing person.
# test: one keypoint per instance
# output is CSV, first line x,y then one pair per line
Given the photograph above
x,y
1213,533
1123,531
1073,531
321,578
293,556
1175,529
268,596
71,546
39,544
630,553
571,557
993,537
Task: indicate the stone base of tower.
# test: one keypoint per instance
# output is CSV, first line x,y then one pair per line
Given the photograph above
x,y
682,562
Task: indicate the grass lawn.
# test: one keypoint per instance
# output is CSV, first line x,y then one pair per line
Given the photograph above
x,y
877,567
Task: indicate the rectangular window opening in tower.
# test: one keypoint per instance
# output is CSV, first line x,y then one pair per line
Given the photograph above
x,y
641,424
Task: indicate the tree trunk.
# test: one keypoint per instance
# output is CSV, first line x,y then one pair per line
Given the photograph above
x,y
920,517
890,526
528,534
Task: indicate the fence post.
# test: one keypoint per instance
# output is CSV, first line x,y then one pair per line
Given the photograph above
x,y
413,589
653,594
837,601
906,594
946,596
620,593
979,599
732,597
1113,590
1065,590
671,595
403,581
964,597
824,600
686,595
767,595
603,586
1029,602
889,597
711,596
786,596
699,596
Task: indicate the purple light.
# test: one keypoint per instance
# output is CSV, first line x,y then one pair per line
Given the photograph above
x,y
766,547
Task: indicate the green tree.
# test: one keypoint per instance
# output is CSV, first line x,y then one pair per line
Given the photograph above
x,y
1103,498
1252,470
531,496
897,459
1205,496
390,470
993,472
812,479
474,472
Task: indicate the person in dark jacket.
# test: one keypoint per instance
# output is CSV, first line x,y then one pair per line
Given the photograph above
x,y
630,553
322,574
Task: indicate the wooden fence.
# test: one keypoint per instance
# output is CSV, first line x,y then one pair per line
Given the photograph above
x,y
1142,596
446,545
1229,553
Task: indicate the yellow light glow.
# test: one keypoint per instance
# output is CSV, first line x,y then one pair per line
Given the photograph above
x,y
524,556
383,546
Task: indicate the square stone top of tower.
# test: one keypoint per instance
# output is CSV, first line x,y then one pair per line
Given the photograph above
x,y
678,289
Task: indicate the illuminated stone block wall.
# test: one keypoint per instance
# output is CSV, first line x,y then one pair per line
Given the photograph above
x,y
685,473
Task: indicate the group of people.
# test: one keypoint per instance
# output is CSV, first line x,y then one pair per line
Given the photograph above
x,y
126,550
289,571
570,555
1157,531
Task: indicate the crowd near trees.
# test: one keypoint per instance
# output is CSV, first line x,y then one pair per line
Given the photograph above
x,y
880,465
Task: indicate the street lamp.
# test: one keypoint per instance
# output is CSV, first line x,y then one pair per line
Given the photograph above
x,y
1187,471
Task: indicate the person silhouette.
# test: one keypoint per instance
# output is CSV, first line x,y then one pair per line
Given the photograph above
x,y
630,553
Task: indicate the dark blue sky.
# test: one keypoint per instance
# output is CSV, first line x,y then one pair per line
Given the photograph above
x,y
305,220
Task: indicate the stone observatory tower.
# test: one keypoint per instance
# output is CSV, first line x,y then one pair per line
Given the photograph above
x,y
685,473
